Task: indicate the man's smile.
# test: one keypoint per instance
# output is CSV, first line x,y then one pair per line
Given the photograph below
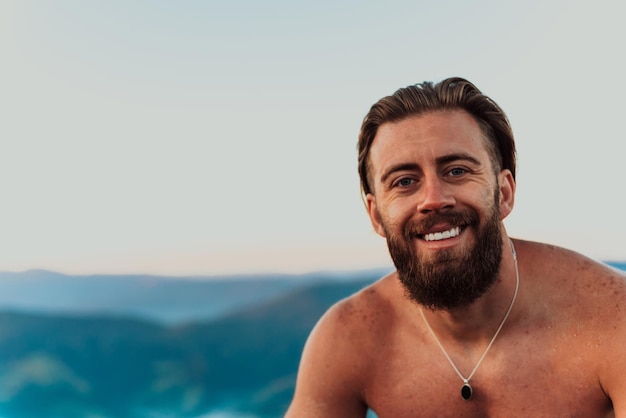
x,y
438,236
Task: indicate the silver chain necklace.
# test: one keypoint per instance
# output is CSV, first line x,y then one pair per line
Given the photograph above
x,y
466,389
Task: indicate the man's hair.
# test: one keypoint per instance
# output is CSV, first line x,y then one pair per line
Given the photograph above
x,y
452,93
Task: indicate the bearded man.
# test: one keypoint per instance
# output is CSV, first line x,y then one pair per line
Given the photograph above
x,y
472,323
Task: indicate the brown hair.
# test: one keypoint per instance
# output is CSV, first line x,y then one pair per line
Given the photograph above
x,y
452,93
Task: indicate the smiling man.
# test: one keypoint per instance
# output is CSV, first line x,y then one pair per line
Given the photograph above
x,y
471,323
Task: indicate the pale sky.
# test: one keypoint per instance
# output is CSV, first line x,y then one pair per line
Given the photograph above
x,y
191,137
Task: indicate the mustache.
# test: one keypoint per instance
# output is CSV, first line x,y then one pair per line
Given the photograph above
x,y
424,224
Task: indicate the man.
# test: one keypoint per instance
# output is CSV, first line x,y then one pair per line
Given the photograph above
x,y
471,323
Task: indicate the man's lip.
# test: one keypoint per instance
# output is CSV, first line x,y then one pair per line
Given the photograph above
x,y
440,227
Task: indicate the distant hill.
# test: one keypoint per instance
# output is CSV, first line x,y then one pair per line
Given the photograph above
x,y
164,299
80,365
268,356
617,264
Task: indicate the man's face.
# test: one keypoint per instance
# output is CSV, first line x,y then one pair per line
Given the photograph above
x,y
439,204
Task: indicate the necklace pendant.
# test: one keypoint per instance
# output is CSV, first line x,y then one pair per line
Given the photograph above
x,y
466,392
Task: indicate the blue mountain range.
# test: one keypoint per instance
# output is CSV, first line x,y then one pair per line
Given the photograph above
x,y
147,346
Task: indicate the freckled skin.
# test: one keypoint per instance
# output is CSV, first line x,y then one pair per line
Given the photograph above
x,y
561,352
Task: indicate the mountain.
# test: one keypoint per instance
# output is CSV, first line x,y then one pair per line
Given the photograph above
x,y
267,342
621,265
164,299
107,366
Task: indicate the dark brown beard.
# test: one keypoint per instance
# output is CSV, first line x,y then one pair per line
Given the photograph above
x,y
449,280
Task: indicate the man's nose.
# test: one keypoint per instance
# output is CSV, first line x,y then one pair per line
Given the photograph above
x,y
435,195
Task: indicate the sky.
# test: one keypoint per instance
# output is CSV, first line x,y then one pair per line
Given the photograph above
x,y
206,137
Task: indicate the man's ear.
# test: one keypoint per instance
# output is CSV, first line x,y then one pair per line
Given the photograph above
x,y
372,211
507,193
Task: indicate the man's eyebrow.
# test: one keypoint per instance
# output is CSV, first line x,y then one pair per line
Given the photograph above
x,y
399,167
446,159
462,156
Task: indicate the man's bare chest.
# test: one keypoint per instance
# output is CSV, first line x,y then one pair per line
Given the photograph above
x,y
514,380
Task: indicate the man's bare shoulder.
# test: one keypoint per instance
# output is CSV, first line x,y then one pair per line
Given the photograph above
x,y
336,360
358,319
553,264
572,285
586,301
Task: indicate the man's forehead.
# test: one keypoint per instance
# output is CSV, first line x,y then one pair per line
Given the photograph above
x,y
428,135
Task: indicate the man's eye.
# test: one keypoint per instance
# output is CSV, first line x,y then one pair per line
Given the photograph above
x,y
457,171
405,182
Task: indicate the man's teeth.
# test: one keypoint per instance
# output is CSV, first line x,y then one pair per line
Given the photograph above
x,y
437,236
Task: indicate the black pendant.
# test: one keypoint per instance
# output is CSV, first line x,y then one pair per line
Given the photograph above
x,y
466,392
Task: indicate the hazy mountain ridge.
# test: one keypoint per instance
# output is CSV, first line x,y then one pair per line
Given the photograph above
x,y
74,365
620,265
166,299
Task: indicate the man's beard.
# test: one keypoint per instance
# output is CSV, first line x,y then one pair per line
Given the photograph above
x,y
449,279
